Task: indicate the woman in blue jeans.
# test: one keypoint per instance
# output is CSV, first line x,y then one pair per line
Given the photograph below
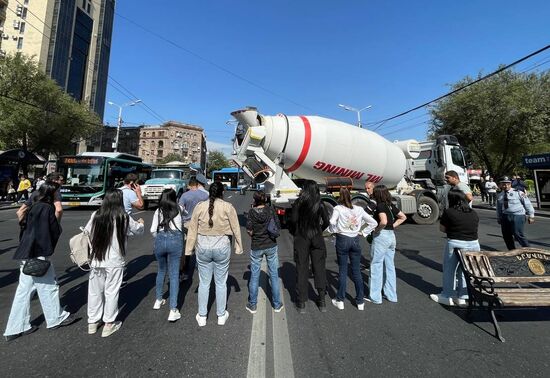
x,y
262,245
211,225
382,250
347,222
460,223
167,230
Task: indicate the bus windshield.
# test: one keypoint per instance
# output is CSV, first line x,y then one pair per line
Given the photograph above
x,y
90,176
167,174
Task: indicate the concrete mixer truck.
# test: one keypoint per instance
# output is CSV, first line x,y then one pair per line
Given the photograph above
x,y
278,151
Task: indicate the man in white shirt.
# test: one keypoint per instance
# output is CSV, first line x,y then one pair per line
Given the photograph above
x,y
491,187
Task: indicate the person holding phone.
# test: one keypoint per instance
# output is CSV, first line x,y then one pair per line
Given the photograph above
x,y
131,193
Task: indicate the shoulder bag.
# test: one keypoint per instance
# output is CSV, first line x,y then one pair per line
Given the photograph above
x,y
36,267
81,246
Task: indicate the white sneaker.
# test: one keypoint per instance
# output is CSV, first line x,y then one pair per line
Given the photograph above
x,y
108,331
201,320
441,299
174,315
158,303
222,319
93,327
338,304
460,302
361,307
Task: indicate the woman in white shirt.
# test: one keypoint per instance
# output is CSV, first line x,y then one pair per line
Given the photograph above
x,y
108,228
347,222
167,231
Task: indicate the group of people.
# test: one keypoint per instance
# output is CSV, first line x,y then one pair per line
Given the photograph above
x,y
460,223
15,191
202,226
488,188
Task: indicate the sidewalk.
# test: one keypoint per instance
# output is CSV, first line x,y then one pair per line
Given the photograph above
x,y
478,204
4,205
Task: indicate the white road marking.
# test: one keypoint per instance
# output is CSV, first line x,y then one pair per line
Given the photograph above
x,y
139,212
282,356
229,196
256,354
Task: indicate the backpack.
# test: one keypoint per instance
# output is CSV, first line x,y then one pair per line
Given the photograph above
x,y
81,246
273,229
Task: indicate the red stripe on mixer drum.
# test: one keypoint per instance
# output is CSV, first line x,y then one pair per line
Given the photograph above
x,y
305,147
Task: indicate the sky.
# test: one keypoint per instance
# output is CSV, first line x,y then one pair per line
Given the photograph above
x,y
197,61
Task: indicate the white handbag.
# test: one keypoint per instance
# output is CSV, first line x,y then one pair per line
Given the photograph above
x,y
81,247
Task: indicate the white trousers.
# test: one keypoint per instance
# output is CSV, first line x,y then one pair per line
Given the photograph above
x,y
103,289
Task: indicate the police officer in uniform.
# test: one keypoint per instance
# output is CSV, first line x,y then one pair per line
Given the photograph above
x,y
512,207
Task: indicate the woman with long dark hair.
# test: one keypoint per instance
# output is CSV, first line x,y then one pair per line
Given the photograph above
x,y
38,240
347,222
309,219
108,227
211,224
382,250
167,230
460,223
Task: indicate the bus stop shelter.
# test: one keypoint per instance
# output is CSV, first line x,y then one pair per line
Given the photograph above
x,y
540,165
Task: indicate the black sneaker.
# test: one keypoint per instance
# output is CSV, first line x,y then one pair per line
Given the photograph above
x,y
251,308
67,322
301,307
27,332
322,305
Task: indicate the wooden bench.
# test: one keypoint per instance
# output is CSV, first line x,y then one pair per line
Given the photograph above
x,y
497,280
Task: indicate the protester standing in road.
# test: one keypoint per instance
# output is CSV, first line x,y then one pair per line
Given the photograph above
x,y
347,222
56,178
483,190
211,225
263,244
109,228
460,223
188,201
382,250
132,193
23,188
167,230
491,187
453,180
512,207
309,219
39,238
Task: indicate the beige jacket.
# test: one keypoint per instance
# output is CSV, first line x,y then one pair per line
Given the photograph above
x,y
225,223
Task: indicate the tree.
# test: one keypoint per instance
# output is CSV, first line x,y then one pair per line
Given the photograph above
x,y
499,119
170,157
35,114
216,160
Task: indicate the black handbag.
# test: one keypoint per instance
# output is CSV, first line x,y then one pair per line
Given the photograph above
x,y
36,267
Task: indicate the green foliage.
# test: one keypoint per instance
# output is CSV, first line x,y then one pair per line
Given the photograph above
x,y
499,119
530,185
56,120
216,160
170,157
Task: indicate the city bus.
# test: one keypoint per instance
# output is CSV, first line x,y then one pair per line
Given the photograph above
x,y
88,175
231,178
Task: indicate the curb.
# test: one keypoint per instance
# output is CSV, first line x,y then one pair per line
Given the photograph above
x,y
538,213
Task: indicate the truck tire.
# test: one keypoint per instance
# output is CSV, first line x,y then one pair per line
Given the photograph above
x,y
427,211
359,201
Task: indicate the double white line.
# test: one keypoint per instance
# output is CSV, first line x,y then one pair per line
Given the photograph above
x,y
282,356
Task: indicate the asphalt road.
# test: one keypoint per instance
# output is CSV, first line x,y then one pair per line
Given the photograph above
x,y
415,337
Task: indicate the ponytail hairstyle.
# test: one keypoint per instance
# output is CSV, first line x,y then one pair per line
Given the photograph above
x,y
216,191
111,214
345,198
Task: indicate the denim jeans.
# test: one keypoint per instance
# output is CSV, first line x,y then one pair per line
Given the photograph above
x,y
168,248
213,261
348,248
382,252
48,294
256,257
452,272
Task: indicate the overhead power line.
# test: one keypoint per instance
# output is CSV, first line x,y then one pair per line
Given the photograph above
x,y
467,85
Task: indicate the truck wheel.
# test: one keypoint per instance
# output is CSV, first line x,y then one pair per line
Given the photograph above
x,y
358,201
427,211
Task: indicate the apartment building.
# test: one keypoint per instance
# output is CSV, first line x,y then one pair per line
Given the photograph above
x,y
70,39
187,141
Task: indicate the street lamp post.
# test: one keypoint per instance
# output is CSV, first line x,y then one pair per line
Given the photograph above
x,y
119,122
358,111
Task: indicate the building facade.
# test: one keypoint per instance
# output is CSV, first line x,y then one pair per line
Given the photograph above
x,y
103,142
71,40
187,141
